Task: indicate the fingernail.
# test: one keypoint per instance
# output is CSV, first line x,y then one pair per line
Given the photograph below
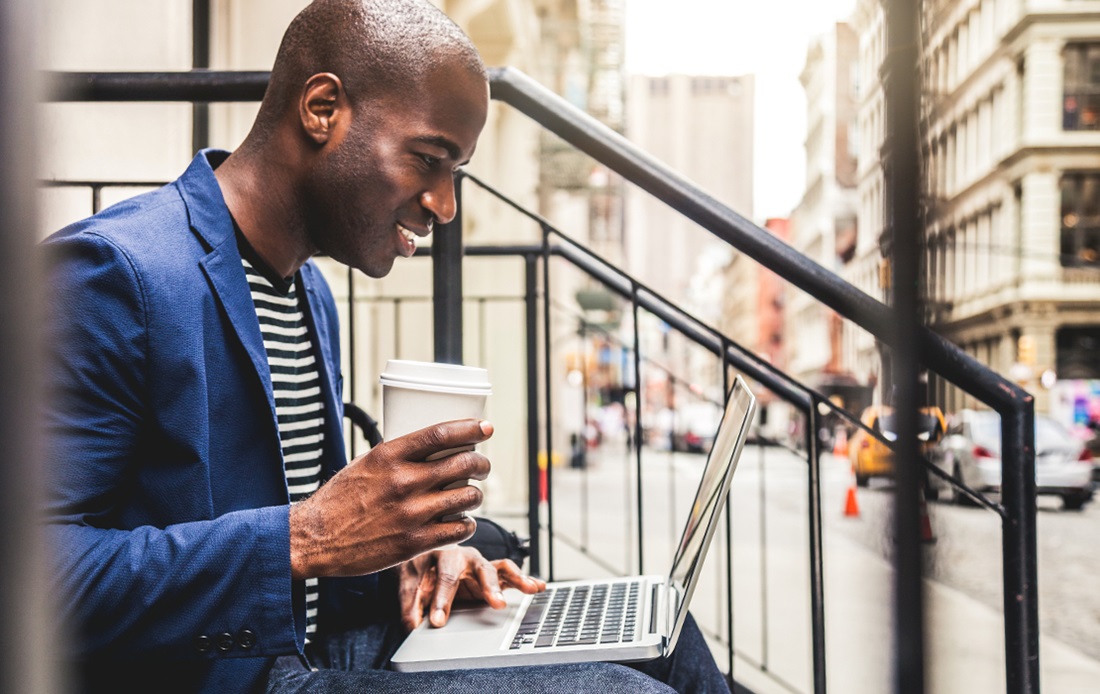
x,y
486,427
499,595
438,617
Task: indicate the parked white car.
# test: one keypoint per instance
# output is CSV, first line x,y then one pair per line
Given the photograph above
x,y
695,426
971,452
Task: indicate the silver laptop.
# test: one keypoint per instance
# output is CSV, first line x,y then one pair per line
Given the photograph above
x,y
621,619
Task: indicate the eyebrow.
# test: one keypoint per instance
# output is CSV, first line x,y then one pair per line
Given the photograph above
x,y
443,143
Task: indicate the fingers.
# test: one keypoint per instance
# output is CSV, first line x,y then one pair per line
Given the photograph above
x,y
459,466
410,593
512,576
489,583
447,476
439,534
413,474
429,582
461,572
441,437
466,569
450,567
451,503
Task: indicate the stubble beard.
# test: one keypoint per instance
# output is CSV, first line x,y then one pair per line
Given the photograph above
x,y
332,224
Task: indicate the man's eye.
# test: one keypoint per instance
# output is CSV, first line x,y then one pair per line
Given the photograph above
x,y
429,160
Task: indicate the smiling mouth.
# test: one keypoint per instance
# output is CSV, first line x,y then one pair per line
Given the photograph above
x,y
406,243
409,236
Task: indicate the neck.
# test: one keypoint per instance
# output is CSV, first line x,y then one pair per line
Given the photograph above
x,y
259,190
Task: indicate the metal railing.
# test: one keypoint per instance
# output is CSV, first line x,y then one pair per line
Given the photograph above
x,y
588,135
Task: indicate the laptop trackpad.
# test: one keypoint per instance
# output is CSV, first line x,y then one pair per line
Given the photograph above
x,y
478,617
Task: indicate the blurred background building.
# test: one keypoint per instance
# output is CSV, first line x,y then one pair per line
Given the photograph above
x,y
753,308
1011,124
1010,117
824,223
701,126
861,352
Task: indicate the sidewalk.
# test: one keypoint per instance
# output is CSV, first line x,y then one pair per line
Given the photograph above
x,y
964,645
964,638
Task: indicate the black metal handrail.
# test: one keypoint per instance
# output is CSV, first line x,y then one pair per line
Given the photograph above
x,y
1016,406
508,85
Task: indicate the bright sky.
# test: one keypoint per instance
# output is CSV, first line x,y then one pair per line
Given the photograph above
x,y
767,38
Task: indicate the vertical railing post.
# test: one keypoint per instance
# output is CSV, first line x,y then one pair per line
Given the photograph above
x,y
582,442
200,59
534,496
900,154
817,575
1019,551
638,425
762,500
447,250
548,371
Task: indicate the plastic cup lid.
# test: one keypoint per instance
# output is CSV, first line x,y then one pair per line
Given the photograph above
x,y
423,375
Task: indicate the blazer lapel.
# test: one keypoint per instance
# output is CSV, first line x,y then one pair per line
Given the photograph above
x,y
210,220
226,274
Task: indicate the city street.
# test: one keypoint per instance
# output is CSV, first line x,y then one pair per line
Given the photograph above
x,y
596,509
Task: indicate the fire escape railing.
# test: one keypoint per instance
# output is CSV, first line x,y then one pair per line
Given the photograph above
x,y
510,86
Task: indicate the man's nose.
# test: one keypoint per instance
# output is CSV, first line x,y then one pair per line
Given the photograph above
x,y
440,199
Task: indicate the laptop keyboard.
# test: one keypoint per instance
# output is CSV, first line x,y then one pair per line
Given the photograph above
x,y
581,615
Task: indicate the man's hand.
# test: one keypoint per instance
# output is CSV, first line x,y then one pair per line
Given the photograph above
x,y
384,507
432,581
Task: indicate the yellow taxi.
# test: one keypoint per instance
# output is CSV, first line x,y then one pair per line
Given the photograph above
x,y
871,457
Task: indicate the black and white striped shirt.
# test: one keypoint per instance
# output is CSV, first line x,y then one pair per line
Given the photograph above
x,y
296,383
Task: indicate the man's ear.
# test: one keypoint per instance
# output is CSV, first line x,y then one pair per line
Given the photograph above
x,y
323,107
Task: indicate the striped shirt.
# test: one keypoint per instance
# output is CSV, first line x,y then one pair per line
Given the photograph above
x,y
296,383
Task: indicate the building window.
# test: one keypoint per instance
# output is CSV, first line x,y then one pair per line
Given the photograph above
x,y
1077,347
658,87
1081,219
1081,98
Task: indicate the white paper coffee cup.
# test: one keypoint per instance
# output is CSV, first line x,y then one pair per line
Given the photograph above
x,y
417,394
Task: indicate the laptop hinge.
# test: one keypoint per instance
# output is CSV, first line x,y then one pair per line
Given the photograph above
x,y
672,602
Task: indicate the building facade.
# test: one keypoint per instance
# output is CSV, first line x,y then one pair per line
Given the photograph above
x,y
866,269
753,311
701,127
1011,127
824,224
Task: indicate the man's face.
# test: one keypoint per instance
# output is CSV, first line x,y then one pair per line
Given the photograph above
x,y
392,174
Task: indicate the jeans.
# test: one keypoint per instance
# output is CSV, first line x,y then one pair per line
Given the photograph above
x,y
356,661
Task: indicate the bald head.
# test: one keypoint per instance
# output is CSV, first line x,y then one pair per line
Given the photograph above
x,y
376,47
371,108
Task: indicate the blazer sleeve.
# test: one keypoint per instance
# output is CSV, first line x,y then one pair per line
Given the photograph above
x,y
211,588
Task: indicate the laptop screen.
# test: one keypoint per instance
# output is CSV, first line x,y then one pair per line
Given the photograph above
x,y
712,492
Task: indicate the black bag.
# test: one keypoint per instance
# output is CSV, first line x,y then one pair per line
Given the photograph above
x,y
496,542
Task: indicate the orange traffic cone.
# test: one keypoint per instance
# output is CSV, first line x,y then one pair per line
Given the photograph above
x,y
851,506
840,445
925,523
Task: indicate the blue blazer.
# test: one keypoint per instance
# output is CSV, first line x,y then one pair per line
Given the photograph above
x,y
167,504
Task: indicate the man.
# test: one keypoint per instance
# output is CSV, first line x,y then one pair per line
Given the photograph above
x,y
210,534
